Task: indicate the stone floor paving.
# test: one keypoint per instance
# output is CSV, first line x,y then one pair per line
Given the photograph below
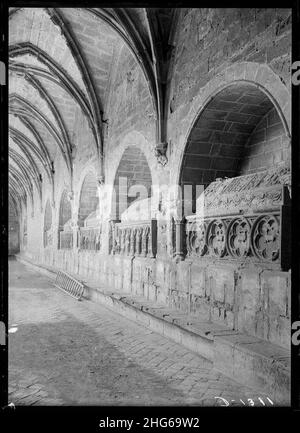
x,y
65,352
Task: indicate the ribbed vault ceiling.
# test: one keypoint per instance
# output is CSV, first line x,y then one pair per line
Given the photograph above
x,y
61,61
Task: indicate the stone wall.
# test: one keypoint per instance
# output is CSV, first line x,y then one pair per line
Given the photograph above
x,y
216,48
14,230
253,300
209,40
268,145
48,216
130,102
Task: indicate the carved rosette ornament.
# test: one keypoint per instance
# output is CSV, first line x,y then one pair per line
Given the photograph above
x,y
266,238
216,238
196,242
238,238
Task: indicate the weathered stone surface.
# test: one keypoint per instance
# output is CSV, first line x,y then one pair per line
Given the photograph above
x,y
260,364
277,291
265,366
227,115
198,280
250,303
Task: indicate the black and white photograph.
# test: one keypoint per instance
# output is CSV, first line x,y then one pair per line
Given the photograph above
x,y
149,203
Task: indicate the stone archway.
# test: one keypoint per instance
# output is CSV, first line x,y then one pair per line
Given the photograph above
x,y
65,215
262,86
238,132
88,199
250,73
113,162
132,180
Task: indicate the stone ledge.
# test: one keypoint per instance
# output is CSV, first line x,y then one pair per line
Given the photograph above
x,y
261,364
245,358
42,269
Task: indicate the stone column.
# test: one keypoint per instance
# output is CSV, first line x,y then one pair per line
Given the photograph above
x,y
137,240
55,236
76,245
144,242
74,222
179,232
132,241
152,242
127,241
108,236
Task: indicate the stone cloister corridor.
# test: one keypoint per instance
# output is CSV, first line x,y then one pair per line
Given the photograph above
x,y
150,169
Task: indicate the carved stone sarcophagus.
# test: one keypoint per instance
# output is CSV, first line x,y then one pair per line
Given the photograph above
x,y
135,238
136,233
246,218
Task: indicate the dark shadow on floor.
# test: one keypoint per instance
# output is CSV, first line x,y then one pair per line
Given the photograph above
x,y
75,364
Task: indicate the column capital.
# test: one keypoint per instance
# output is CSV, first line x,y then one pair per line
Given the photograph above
x,y
179,221
179,238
